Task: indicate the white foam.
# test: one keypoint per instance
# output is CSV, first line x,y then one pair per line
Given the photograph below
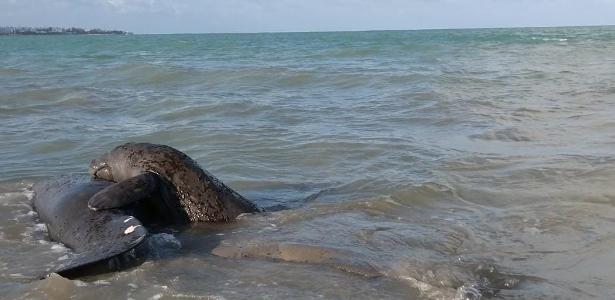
x,y
58,248
551,39
27,234
241,216
28,193
102,282
156,297
10,195
80,283
40,227
554,39
468,292
426,289
215,297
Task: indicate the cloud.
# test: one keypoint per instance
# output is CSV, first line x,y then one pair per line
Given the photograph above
x,y
127,6
117,6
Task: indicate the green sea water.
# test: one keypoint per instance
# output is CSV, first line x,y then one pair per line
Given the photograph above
x,y
440,163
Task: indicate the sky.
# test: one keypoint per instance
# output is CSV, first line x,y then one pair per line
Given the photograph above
x,y
203,16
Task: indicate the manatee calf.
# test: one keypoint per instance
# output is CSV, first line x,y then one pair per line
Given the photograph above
x,y
102,241
188,193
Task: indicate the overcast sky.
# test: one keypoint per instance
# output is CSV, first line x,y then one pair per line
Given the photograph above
x,y
195,16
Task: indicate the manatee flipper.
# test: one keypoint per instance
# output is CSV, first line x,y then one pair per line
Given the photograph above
x,y
124,192
115,244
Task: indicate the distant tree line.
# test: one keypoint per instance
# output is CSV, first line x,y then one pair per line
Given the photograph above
x,y
54,30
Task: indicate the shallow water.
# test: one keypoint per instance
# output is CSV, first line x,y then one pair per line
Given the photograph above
x,y
407,164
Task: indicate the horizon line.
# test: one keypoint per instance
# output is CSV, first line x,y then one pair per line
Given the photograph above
x,y
326,31
376,30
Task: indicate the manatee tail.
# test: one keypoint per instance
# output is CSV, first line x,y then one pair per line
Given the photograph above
x,y
91,263
110,253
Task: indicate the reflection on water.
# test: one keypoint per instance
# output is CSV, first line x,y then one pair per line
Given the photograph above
x,y
429,164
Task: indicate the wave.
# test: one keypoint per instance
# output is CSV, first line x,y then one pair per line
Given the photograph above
x,y
8,72
511,134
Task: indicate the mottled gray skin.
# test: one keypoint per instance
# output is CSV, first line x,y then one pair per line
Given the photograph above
x,y
190,193
102,241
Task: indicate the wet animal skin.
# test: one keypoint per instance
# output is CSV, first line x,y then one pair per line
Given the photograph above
x,y
102,241
188,192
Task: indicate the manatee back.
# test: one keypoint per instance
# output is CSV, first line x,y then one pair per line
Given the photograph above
x,y
94,236
61,203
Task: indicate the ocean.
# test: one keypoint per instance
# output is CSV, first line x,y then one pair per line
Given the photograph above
x,y
432,164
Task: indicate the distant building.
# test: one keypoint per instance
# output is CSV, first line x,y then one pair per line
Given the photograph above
x,y
7,30
54,31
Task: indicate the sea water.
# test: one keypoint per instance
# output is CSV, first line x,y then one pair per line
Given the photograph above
x,y
430,164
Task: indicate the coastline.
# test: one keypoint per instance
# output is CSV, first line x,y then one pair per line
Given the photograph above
x,y
17,30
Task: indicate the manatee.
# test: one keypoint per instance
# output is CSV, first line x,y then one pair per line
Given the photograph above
x,y
188,192
102,241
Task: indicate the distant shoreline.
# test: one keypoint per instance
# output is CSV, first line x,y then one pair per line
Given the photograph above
x,y
9,30
80,31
